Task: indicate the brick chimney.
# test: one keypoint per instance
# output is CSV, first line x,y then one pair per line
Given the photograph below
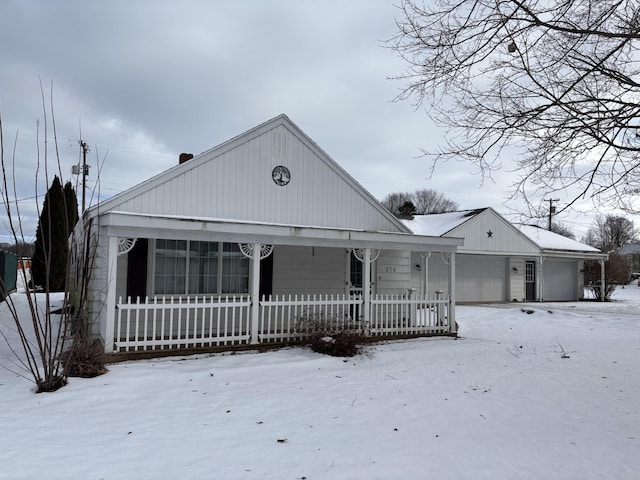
x,y
184,157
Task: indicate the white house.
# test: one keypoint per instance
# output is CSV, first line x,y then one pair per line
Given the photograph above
x,y
238,245
500,261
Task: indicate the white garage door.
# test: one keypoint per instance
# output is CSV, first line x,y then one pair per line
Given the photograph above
x,y
480,278
559,280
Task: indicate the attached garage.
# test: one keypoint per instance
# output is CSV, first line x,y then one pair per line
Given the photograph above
x,y
559,280
481,278
500,261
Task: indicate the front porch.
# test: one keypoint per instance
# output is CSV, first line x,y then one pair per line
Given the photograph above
x,y
196,283
176,323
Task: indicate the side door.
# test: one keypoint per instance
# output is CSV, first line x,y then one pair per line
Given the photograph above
x,y
530,280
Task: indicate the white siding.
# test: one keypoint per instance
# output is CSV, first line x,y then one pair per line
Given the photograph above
x,y
308,270
517,277
98,280
236,183
489,232
393,272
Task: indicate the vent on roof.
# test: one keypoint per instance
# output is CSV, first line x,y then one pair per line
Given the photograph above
x,y
184,157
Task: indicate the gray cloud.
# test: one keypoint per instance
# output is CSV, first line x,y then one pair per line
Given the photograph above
x,y
147,80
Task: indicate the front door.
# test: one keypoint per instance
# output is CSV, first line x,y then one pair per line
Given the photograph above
x,y
355,276
530,281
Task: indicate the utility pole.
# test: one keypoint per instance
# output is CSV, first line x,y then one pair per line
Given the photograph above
x,y
85,170
552,209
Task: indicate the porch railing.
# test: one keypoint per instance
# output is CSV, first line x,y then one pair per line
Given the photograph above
x,y
177,322
164,323
394,315
286,317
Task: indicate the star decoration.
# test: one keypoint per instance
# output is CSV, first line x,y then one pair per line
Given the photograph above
x,y
490,234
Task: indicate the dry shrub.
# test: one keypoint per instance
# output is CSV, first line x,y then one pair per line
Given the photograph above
x,y
84,359
337,335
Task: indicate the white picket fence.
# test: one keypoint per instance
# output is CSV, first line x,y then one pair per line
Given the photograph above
x,y
165,323
285,318
177,322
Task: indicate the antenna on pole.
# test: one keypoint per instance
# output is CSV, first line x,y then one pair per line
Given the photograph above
x,y
82,170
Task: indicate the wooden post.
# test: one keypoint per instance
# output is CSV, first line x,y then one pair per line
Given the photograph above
x,y
255,293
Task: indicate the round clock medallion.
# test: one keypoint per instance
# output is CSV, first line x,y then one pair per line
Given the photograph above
x,y
281,175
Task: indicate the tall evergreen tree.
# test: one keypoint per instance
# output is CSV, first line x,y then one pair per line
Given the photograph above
x,y
59,214
72,206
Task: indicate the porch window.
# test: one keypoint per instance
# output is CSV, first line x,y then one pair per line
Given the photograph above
x,y
183,266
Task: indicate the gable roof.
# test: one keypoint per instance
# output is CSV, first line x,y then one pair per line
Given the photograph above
x,y
439,224
233,181
547,240
523,239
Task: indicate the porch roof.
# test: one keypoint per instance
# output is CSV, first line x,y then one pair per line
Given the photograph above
x,y
136,225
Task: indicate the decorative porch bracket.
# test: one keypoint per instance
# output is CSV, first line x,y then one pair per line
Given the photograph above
x,y
247,250
125,245
359,254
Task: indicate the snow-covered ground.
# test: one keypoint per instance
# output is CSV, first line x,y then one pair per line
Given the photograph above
x,y
501,402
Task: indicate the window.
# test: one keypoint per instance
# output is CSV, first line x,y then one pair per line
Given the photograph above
x,y
183,266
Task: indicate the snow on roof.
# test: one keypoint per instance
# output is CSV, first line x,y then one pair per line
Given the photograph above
x,y
442,223
552,241
437,224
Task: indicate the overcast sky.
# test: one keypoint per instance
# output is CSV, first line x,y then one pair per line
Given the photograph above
x,y
142,81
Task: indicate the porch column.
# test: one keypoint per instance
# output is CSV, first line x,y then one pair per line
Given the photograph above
x,y
255,293
539,280
452,293
366,287
603,287
107,329
425,277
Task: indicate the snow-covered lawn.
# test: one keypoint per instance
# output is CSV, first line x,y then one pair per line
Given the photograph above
x,y
501,402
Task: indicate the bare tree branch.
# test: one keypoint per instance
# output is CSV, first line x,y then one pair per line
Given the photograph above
x,y
555,81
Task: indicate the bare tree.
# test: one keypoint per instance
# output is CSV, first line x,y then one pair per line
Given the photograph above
x,y
41,354
394,201
430,201
563,230
556,80
424,201
609,232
